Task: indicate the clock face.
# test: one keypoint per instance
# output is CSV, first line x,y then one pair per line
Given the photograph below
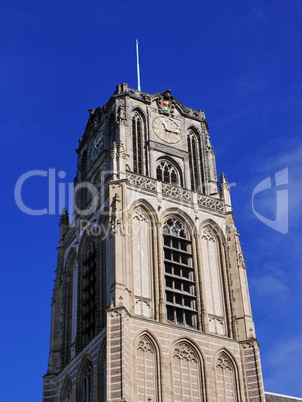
x,y
166,129
96,145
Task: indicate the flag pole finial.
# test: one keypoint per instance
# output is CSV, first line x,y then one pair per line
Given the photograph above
x,y
137,67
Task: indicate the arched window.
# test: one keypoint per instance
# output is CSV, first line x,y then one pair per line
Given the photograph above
x,y
138,143
141,249
227,390
66,395
74,307
179,274
87,383
89,293
186,374
146,369
195,161
212,281
167,172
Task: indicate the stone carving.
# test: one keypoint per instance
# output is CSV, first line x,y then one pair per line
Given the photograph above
x,y
165,103
177,192
142,182
121,116
212,203
113,150
120,150
247,345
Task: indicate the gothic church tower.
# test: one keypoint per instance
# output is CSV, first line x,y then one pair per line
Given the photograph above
x,y
151,301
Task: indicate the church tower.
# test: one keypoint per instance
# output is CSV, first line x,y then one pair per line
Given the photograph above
x,y
151,301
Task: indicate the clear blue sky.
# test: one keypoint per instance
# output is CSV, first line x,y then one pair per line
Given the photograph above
x,y
240,61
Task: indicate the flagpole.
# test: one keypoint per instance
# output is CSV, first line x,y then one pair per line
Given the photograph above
x,y
137,68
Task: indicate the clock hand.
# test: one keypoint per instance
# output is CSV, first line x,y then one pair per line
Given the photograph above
x,y
172,131
164,124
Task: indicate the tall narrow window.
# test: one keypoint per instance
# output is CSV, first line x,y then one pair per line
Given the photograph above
x,y
179,274
141,262
167,172
226,379
67,392
87,384
186,374
146,368
212,281
89,299
138,143
195,161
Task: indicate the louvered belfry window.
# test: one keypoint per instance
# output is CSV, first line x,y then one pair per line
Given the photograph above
x,y
89,294
179,274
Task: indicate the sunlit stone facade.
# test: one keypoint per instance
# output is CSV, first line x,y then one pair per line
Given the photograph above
x,y
151,300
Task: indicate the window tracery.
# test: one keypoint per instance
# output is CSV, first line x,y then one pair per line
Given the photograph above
x,y
167,172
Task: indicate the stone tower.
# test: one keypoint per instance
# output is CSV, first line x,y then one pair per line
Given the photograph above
x,y
151,301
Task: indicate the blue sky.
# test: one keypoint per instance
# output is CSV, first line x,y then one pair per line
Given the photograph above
x,y
240,61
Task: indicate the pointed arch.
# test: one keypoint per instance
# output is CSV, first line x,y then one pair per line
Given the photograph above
x,y
147,368
85,380
180,289
139,153
188,372
149,209
195,160
66,393
227,380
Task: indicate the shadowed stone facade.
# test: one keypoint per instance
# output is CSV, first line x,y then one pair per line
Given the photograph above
x,y
151,300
